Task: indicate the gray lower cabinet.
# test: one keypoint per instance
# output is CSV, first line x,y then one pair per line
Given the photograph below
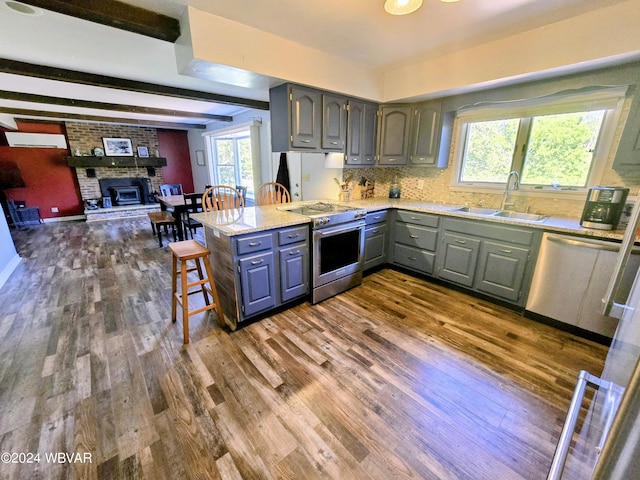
x,y
501,269
376,234
257,272
257,281
492,259
458,258
293,257
416,240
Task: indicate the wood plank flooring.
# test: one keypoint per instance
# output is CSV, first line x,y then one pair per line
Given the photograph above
x,y
397,378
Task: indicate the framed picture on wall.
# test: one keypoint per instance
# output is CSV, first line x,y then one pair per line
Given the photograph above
x,y
143,152
117,147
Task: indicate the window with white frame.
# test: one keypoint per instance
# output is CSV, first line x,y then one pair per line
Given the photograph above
x,y
232,156
558,142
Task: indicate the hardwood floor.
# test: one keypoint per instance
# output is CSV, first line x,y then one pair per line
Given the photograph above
x,y
397,378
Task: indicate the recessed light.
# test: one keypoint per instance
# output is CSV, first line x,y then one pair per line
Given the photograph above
x,y
22,8
402,7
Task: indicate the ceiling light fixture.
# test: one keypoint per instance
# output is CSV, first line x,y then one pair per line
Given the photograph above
x,y
22,8
402,7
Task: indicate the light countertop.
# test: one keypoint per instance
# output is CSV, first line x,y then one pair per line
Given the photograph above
x,y
255,219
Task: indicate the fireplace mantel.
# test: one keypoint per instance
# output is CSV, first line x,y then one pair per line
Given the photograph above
x,y
90,161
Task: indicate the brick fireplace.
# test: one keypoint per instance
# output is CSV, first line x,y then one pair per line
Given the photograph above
x,y
94,182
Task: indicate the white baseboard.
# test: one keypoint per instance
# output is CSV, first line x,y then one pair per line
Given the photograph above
x,y
8,270
64,219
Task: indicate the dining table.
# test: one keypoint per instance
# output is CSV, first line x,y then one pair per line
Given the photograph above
x,y
176,205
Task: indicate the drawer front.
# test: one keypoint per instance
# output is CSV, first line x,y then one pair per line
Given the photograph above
x,y
418,218
293,235
255,243
414,258
415,236
506,233
377,217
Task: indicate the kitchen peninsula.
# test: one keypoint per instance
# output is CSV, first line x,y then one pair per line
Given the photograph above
x,y
261,256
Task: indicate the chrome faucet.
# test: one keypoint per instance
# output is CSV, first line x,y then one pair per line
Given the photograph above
x,y
509,188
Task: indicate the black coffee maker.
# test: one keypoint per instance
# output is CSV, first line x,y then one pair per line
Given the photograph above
x,y
603,207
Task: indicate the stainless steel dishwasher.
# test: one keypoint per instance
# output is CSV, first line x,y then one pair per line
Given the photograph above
x,y
571,277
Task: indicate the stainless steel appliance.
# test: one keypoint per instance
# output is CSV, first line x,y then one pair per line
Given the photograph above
x,y
571,277
603,207
607,445
337,247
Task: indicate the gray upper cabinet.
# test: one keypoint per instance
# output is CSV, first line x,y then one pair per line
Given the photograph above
x,y
305,118
393,135
362,123
425,133
334,122
296,118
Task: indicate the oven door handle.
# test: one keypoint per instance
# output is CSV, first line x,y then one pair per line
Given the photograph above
x,y
335,231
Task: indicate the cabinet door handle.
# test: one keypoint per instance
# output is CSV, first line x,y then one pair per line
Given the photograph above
x,y
391,159
334,143
413,259
254,244
463,242
257,262
294,236
297,252
506,250
415,218
377,217
414,236
305,141
373,232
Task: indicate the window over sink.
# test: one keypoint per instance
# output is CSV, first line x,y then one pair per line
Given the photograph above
x,y
559,142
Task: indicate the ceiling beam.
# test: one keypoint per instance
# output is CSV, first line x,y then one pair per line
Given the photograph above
x,y
96,118
115,14
70,102
63,75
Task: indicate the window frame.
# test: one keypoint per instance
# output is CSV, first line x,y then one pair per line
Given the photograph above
x,y
613,102
235,133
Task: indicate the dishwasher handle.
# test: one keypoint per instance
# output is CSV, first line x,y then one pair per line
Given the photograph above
x,y
587,243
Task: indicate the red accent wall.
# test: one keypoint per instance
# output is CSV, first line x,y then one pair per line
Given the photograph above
x,y
49,181
174,146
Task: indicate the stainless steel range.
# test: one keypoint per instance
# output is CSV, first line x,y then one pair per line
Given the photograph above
x,y
337,247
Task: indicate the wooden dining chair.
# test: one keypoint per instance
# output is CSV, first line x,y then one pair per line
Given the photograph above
x,y
171,189
271,193
193,203
221,197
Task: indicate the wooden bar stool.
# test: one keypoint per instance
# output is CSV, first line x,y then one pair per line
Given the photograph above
x,y
183,252
160,220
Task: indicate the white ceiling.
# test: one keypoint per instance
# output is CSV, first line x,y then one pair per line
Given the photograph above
x,y
356,30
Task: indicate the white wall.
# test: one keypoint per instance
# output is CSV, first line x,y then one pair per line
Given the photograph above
x,y
603,35
9,258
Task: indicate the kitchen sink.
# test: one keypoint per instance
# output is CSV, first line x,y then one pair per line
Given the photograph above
x,y
476,210
491,212
527,217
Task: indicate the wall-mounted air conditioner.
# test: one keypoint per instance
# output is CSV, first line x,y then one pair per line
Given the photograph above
x,y
36,140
